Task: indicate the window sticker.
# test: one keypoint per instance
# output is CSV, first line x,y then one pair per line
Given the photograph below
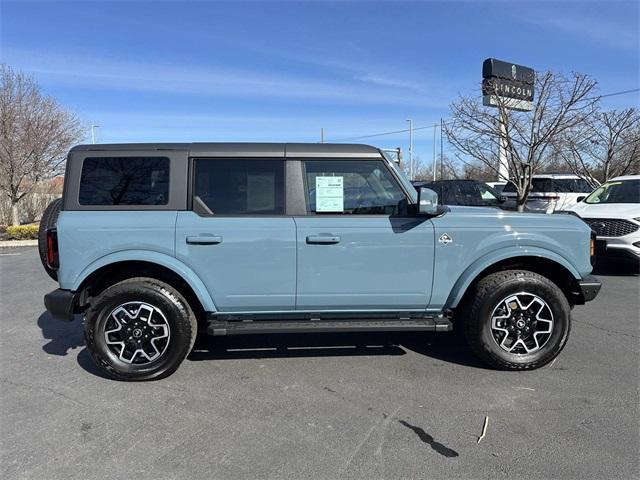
x,y
329,194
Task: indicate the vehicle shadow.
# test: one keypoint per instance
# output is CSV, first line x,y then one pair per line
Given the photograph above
x,y
63,338
441,346
448,347
616,267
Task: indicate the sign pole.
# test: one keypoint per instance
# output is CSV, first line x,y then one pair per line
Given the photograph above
x,y
503,166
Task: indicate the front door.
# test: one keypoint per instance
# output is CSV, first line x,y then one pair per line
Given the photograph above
x,y
358,249
237,238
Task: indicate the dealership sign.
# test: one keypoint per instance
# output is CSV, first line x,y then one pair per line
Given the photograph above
x,y
507,84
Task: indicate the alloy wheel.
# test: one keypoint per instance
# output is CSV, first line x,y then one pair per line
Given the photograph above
x,y
137,333
522,323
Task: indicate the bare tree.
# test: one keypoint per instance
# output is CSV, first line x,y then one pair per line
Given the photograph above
x,y
604,147
476,131
35,134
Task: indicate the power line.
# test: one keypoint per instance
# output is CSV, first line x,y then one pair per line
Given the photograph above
x,y
440,124
617,93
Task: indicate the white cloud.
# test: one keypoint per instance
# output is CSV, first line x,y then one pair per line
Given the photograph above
x,y
82,71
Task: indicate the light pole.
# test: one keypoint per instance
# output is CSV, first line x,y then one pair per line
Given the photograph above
x,y
410,148
93,133
434,151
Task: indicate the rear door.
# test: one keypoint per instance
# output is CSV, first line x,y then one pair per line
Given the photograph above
x,y
358,249
236,237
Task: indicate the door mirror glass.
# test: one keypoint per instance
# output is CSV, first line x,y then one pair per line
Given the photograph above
x,y
427,201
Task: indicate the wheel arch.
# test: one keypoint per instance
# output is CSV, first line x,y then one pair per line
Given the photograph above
x,y
117,267
551,266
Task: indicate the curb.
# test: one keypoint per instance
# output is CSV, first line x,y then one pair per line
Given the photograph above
x,y
18,243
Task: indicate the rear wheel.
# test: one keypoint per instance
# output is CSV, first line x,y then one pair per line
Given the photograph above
x,y
139,329
48,220
516,320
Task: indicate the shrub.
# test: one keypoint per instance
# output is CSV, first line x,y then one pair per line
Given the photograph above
x,y
22,232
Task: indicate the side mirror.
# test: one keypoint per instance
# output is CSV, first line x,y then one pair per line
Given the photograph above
x,y
580,198
502,199
427,201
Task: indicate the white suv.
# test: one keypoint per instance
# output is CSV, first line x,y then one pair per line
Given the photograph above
x,y
550,192
613,212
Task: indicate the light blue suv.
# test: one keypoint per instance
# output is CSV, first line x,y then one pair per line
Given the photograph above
x,y
153,243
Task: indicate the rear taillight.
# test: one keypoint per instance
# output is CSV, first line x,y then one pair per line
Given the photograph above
x,y
53,260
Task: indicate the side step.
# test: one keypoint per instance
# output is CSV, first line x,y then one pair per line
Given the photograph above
x,y
243,327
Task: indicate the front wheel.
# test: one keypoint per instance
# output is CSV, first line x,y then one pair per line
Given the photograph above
x,y
516,320
139,329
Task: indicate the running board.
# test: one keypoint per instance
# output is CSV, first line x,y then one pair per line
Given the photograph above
x,y
244,327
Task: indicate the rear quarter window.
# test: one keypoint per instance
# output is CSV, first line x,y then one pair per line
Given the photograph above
x,y
124,181
571,185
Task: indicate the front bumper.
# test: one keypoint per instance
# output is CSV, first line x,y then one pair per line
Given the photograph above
x,y
589,287
61,304
619,247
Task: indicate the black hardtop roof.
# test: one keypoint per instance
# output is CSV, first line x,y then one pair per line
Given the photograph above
x,y
287,150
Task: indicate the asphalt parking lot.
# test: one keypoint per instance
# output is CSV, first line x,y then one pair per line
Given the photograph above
x,y
321,406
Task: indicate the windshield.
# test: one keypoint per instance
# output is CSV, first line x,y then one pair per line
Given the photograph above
x,y
626,191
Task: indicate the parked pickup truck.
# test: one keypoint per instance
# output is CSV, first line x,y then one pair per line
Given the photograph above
x,y
152,243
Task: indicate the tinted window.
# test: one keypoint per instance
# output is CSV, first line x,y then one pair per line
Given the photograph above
x,y
240,187
124,181
353,187
509,188
474,194
572,185
542,185
561,185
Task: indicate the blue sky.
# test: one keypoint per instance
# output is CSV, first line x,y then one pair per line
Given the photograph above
x,y
279,71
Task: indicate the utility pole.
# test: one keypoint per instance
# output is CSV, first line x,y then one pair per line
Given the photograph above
x,y
410,148
435,127
93,133
321,135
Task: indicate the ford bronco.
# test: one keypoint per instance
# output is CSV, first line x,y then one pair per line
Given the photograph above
x,y
153,243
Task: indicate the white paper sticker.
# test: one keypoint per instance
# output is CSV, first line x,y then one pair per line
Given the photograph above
x,y
329,194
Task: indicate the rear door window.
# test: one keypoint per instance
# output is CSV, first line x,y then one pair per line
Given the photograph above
x,y
240,186
124,181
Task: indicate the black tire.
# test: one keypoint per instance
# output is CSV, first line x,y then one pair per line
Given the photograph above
x,y
488,294
48,220
179,316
